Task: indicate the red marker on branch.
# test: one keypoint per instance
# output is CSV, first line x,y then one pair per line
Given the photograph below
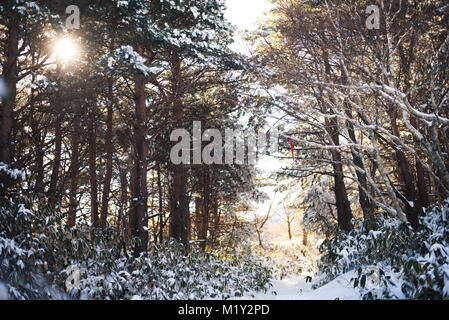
x,y
293,151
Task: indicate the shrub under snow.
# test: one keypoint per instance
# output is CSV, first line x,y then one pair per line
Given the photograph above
x,y
165,272
394,261
39,254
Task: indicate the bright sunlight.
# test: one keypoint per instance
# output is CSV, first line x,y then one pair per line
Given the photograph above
x,y
65,50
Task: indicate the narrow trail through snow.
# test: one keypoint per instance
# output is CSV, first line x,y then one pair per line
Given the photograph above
x,y
296,288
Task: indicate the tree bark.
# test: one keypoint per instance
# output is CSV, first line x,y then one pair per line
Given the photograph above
x,y
365,203
109,150
53,192
74,170
132,189
344,212
93,169
198,215
412,209
159,189
38,144
140,206
205,207
217,218
179,205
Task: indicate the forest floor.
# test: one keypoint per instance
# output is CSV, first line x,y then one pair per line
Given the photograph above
x,y
296,262
296,288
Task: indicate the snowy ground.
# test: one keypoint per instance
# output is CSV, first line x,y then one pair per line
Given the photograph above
x,y
296,288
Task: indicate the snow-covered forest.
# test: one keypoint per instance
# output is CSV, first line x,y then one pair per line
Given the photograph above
x,y
128,170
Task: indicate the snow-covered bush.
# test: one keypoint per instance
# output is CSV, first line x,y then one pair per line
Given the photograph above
x,y
41,258
166,273
394,261
28,247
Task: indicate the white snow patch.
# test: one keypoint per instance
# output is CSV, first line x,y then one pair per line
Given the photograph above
x,y
296,288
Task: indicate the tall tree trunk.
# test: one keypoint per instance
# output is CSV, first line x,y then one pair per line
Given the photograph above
x,y
344,212
37,142
179,205
366,204
141,153
441,167
412,209
74,170
423,195
407,59
198,216
121,220
205,207
159,189
39,155
132,189
178,216
217,217
93,169
53,192
10,76
109,150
